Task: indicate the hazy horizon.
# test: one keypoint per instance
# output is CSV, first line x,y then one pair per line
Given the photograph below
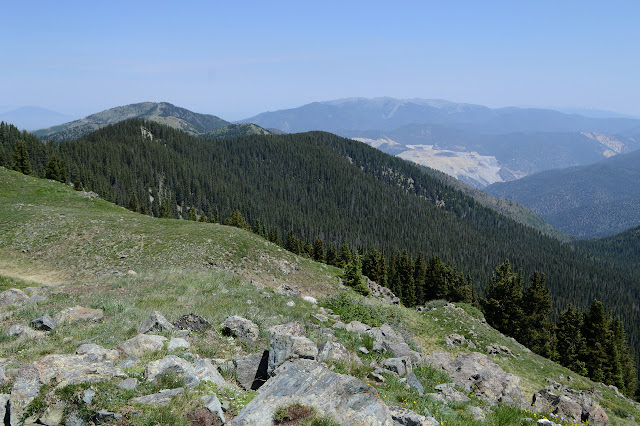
x,y
238,60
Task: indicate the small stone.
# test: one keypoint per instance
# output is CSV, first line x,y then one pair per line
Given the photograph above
x,y
310,299
155,322
319,317
44,323
130,383
78,313
363,350
88,395
193,322
212,403
241,328
291,303
177,343
23,330
161,398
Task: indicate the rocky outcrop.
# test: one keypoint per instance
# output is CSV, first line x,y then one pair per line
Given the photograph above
x,y
97,352
24,331
475,372
404,417
386,339
155,322
241,328
579,406
172,364
382,293
333,351
292,328
310,383
44,323
192,322
286,347
160,398
13,296
64,369
142,344
251,371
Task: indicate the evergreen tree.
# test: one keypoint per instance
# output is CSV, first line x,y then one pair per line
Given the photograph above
x,y
274,236
307,249
419,278
597,335
21,161
165,208
502,304
405,277
192,214
203,218
352,275
571,346
77,185
537,309
629,374
332,255
292,243
237,220
435,285
318,251
374,267
460,289
133,203
55,170
345,255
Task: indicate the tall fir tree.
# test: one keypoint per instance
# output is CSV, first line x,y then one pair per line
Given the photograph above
x,y
571,345
502,304
538,333
21,161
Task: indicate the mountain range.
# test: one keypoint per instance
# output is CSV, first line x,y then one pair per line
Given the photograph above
x,y
32,118
597,200
193,123
476,144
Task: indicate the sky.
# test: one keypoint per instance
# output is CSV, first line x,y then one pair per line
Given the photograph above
x,y
236,59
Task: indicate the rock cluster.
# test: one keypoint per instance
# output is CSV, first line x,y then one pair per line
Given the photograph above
x,y
579,406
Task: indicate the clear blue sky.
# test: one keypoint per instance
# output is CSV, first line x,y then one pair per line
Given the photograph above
x,y
238,58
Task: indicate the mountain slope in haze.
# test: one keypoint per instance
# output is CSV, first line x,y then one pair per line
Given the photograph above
x,y
476,144
163,112
31,117
234,131
589,201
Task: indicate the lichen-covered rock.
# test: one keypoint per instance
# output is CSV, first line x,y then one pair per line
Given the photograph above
x,y
285,347
241,328
212,403
251,371
455,340
400,366
575,405
292,328
24,331
155,322
193,322
207,371
97,352
405,417
357,327
141,344
346,399
13,296
44,323
172,364
496,349
78,313
385,338
64,369
333,351
475,371
177,343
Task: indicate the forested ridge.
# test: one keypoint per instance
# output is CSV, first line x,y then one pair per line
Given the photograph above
x,y
321,186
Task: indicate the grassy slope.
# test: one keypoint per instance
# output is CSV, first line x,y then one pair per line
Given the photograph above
x,y
77,243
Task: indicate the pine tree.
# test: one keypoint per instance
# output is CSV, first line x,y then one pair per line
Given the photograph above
x,y
165,208
571,346
502,304
405,276
318,251
419,278
537,308
595,329
435,285
292,243
374,267
352,275
55,170
629,374
21,161
345,255
237,220
192,214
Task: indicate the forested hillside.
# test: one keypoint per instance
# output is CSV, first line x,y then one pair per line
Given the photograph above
x,y
598,200
322,186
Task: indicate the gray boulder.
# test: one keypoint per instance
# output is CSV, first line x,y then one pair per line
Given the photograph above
x,y
161,398
412,380
285,347
13,296
97,352
455,340
155,322
24,331
292,328
172,364
77,314
448,393
141,344
251,371
212,403
400,366
193,322
241,328
357,327
177,343
65,369
44,323
475,371
346,399
207,371
496,349
130,383
4,404
386,339
333,351
576,405
405,417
